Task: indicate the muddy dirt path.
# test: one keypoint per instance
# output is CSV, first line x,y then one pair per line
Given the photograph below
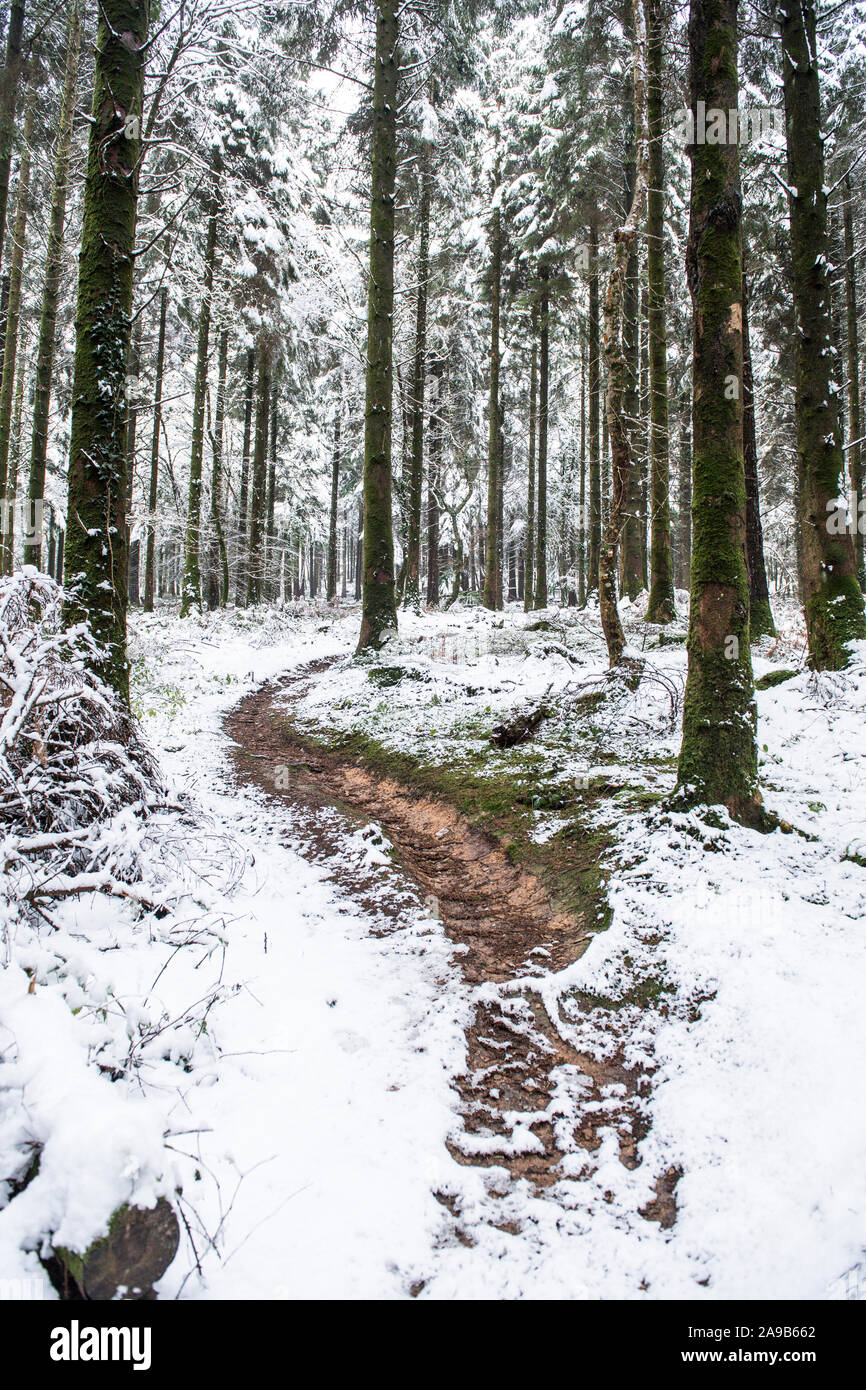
x,y
501,918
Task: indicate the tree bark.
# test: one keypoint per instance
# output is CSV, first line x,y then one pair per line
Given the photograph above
x,y
332,519
529,561
95,553
242,574
218,560
191,592
51,284
594,415
153,493
411,579
855,446
616,357
492,573
378,602
661,606
760,614
10,353
258,498
832,597
684,492
9,79
540,587
718,756
435,427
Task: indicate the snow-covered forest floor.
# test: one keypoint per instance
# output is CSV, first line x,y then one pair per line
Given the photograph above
x,y
281,1050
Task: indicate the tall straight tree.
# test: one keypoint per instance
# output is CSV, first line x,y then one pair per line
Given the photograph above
x,y
378,603
594,377
411,578
331,592
718,756
617,352
9,78
242,576
10,351
258,488
95,553
855,444
540,589
51,284
832,597
661,608
529,548
153,491
492,573
218,560
760,614
191,592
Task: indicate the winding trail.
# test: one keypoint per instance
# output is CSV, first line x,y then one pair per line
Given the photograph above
x,y
508,933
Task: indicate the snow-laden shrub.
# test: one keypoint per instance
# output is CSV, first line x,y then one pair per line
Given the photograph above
x,y
71,757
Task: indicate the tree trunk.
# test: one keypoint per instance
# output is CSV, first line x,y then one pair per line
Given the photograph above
x,y
833,600
684,492
332,520
411,581
718,757
10,353
95,554
9,78
760,614
492,574
661,606
594,414
242,575
855,447
258,497
529,562
630,546
218,560
191,592
154,457
270,535
435,427
378,603
616,356
51,284
540,590
581,527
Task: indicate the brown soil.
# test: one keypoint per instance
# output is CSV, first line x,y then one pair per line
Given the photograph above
x,y
499,914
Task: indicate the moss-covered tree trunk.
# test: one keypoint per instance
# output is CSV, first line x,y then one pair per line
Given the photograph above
x,y
51,284
378,603
191,592
684,492
855,445
631,560
270,531
412,575
435,428
10,352
153,492
760,614
661,606
95,555
832,597
581,527
332,518
718,756
594,372
616,353
218,560
9,79
492,574
529,548
258,490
